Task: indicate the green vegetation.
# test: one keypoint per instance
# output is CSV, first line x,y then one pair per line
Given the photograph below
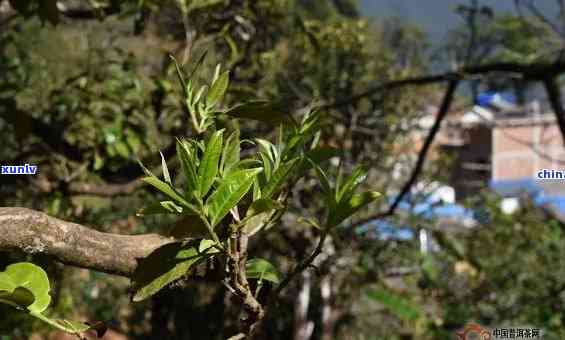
x,y
254,138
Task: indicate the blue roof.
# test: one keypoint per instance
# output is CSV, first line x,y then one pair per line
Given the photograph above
x,y
515,187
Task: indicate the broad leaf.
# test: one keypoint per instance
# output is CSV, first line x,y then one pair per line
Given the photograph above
x,y
208,168
218,89
261,269
347,208
26,286
31,278
163,266
229,193
279,177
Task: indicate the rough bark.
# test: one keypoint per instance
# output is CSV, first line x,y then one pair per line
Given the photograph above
x,y
31,232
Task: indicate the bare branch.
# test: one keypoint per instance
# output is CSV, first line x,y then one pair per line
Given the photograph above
x,y
554,96
442,113
304,264
33,232
530,71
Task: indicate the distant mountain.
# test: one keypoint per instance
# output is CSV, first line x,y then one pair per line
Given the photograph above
x,y
437,16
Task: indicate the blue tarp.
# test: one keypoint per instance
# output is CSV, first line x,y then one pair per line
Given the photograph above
x,y
513,188
488,98
434,210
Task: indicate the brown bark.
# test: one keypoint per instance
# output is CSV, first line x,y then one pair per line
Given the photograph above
x,y
31,232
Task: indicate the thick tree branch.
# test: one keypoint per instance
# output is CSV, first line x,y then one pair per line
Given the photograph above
x,y
531,71
34,232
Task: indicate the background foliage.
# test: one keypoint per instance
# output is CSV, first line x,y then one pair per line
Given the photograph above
x,y
88,97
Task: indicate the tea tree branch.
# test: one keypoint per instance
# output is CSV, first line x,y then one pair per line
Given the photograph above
x,y
32,232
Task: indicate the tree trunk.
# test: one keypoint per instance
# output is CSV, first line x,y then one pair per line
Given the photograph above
x,y
303,328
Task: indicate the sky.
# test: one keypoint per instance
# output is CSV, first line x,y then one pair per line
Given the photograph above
x,y
436,16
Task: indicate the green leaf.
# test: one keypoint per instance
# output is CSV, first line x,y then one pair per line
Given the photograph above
x,y
230,154
315,157
32,279
261,110
311,222
145,170
180,75
169,191
347,208
229,193
262,270
72,327
324,181
165,170
207,246
252,224
243,165
353,181
398,305
279,177
164,207
208,168
262,205
218,89
18,297
163,266
188,164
